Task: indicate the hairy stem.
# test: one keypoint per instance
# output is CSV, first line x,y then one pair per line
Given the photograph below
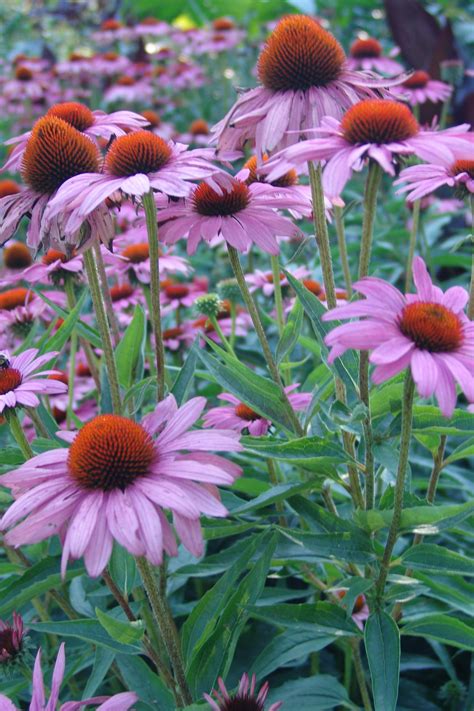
x,y
341,242
321,232
109,307
411,249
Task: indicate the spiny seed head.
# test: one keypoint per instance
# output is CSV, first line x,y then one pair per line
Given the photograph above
x,y
110,452
313,286
110,25
173,332
121,291
378,121
74,113
285,181
56,152
208,305
175,290
53,255
125,80
17,256
463,165
298,55
199,127
246,413
23,74
432,327
10,378
136,253
221,24
8,187
365,48
208,202
13,298
138,152
152,118
417,80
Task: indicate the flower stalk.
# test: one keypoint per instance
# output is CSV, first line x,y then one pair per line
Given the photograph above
x,y
412,244
341,243
321,232
149,207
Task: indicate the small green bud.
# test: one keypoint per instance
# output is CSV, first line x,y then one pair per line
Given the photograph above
x,y
230,290
208,305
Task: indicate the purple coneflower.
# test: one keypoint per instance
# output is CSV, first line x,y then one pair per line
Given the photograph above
x,y
379,129
20,381
118,702
239,416
421,180
114,481
264,280
245,698
230,209
420,88
366,54
426,331
11,639
304,76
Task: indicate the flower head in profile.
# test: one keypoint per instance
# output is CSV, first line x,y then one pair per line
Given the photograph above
x,y
12,641
228,209
21,381
458,174
114,482
420,88
367,54
378,129
303,76
118,702
245,698
55,152
360,610
95,124
427,332
239,417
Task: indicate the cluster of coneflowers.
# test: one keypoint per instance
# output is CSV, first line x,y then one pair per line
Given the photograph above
x,y
107,196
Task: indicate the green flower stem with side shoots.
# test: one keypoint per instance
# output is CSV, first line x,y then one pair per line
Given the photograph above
x,y
321,232
412,244
166,625
341,243
252,309
104,330
406,427
155,313
370,205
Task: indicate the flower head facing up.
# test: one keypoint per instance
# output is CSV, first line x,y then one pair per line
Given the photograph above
x,y
20,379
54,153
114,481
366,54
427,332
245,698
420,87
378,121
17,256
362,48
299,54
75,114
139,152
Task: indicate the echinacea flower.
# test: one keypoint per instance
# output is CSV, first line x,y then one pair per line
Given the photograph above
x,y
19,308
175,294
118,702
379,129
20,381
239,416
420,88
54,266
304,76
421,180
95,124
231,210
11,640
16,258
426,331
114,481
134,165
360,611
264,280
366,54
244,699
55,151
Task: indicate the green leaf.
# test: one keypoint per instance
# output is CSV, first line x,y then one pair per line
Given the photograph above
x,y
138,677
426,520
274,494
347,366
442,628
119,630
202,620
37,580
289,646
216,654
296,545
123,569
130,351
464,451
291,331
253,390
320,617
382,645
429,418
62,335
90,631
82,328
102,662
428,556
185,375
309,452
316,693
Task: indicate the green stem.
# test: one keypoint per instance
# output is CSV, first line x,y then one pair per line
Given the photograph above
x,y
277,292
155,314
372,184
321,232
71,376
219,332
166,625
341,242
17,431
252,309
90,357
109,307
407,416
360,674
412,244
470,308
233,316
93,279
